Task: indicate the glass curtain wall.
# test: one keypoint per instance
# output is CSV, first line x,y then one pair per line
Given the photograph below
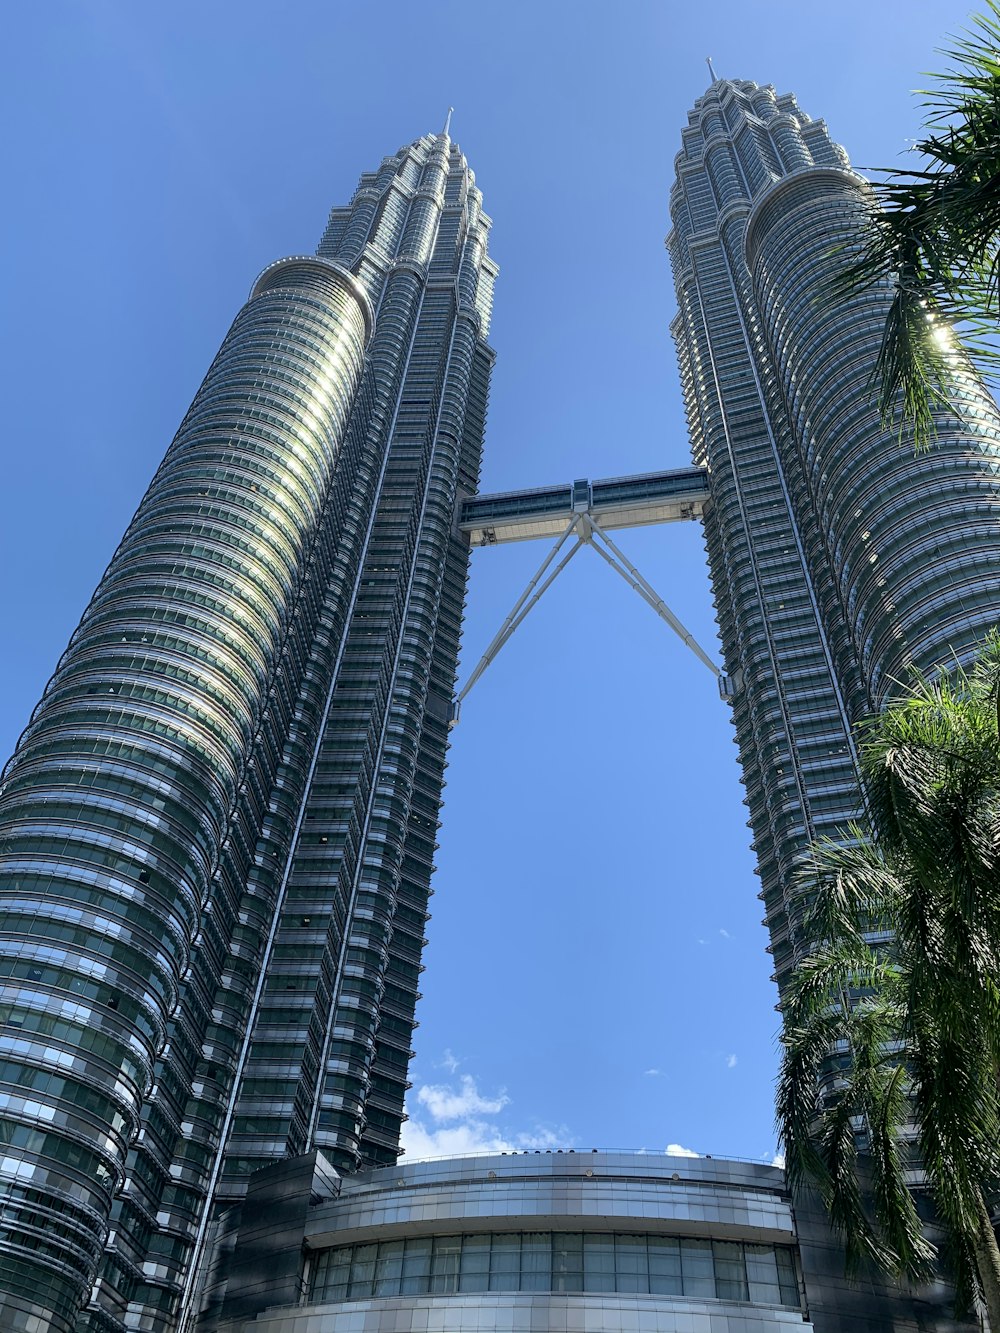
x,y
558,1262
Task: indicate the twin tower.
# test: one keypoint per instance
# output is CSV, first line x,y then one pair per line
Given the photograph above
x,y
217,830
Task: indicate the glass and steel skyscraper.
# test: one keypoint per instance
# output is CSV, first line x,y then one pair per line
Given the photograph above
x,y
839,560
217,830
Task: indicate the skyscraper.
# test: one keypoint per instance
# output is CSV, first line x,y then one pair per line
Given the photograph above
x,y
217,830
839,561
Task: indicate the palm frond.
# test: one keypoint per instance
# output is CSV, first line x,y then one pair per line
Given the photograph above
x,y
894,1205
933,242
892,1017
844,1195
846,887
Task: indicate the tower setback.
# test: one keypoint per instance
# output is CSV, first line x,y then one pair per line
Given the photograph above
x,y
217,830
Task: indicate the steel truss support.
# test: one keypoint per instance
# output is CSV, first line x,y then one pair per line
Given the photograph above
x,y
588,533
622,565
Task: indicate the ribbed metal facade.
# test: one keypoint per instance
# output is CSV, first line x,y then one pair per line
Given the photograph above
x,y
583,1242
839,560
217,830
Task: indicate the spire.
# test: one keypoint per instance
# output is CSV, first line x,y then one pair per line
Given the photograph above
x,y
447,122
708,62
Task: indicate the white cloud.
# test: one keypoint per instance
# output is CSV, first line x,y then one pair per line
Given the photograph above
x,y
778,1160
457,1119
731,1062
418,1140
675,1150
449,1062
652,1073
543,1137
725,934
445,1103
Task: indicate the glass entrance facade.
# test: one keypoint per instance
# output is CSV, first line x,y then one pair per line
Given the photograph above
x,y
558,1261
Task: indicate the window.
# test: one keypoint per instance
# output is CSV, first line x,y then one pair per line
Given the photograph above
x,y
597,1261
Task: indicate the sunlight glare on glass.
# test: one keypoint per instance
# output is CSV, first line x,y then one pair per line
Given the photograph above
x,y
941,335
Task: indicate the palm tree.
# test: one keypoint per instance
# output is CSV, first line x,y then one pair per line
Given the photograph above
x,y
936,239
888,1086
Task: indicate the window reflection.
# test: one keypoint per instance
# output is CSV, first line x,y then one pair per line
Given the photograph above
x,y
559,1262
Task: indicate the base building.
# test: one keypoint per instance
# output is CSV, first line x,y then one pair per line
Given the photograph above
x,y
586,1242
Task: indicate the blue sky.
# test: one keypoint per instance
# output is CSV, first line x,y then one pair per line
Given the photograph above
x,y
596,974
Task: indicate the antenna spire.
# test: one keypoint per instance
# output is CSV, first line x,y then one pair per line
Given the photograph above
x,y
708,62
447,121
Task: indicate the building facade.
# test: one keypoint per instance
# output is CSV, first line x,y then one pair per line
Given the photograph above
x,y
217,830
585,1242
840,561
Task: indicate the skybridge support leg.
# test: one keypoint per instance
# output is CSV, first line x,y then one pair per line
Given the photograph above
x,y
588,533
528,599
623,566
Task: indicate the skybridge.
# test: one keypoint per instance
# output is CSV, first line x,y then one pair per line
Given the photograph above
x,y
619,502
582,513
